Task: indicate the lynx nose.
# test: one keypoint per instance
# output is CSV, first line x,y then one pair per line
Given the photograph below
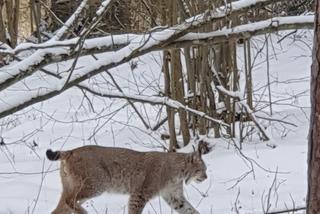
x,y
204,176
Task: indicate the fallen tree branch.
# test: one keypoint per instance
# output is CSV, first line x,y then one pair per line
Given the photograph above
x,y
103,44
245,31
153,40
153,100
105,62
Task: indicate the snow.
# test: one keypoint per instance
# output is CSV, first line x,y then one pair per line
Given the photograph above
x,y
251,27
103,7
67,121
223,10
235,94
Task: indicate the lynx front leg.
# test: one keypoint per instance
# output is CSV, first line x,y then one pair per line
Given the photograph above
x,y
176,200
136,203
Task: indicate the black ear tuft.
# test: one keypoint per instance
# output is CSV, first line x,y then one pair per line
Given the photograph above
x,y
204,147
52,155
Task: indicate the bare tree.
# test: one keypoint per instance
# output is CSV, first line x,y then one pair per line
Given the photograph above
x,y
313,197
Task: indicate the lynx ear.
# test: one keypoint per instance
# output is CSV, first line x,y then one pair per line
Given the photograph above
x,y
204,147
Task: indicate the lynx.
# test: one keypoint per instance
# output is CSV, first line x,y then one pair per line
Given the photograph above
x,y
89,171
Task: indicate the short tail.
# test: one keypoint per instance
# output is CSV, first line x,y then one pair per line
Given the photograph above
x,y
53,156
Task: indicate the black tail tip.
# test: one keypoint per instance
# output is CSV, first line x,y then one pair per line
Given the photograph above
x,y
52,155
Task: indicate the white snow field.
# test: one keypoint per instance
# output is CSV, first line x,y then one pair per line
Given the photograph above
x,y
264,176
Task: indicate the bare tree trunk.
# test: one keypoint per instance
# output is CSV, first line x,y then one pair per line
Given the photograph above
x,y
203,51
36,11
235,84
3,31
9,20
173,144
12,10
191,86
247,56
212,100
313,197
177,83
225,77
178,90
170,112
16,15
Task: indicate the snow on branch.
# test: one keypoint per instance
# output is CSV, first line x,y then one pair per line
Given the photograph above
x,y
70,22
56,52
25,68
107,60
102,44
143,44
138,46
236,7
55,40
247,30
99,14
64,50
58,35
244,31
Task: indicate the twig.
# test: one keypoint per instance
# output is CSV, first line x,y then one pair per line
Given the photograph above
x,y
276,120
129,101
286,210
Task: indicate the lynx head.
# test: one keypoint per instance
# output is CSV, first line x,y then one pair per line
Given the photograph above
x,y
196,168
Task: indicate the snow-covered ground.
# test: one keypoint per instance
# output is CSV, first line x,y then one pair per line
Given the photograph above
x,y
259,178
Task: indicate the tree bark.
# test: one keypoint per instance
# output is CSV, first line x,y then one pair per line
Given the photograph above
x,y
170,112
178,90
202,74
248,72
313,197
173,144
12,10
3,31
191,84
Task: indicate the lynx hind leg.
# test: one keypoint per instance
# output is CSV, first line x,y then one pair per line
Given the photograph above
x,y
176,200
137,203
62,208
69,203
